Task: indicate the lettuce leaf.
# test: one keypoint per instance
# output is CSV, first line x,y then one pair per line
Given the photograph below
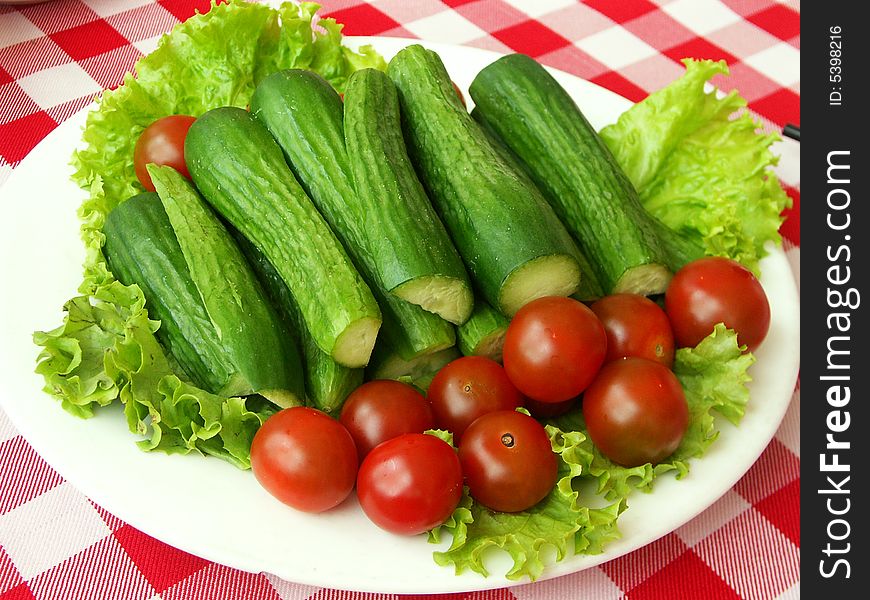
x,y
106,350
702,171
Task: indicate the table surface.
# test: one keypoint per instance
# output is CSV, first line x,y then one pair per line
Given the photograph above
x,y
54,57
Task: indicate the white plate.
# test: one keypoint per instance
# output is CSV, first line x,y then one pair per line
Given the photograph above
x,y
215,511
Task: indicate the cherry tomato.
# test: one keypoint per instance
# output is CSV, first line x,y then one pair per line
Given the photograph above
x,y
467,388
410,484
553,348
636,411
508,462
715,290
635,326
305,458
383,409
162,143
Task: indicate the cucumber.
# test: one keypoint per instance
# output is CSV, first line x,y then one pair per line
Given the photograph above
x,y
483,333
327,383
509,237
304,113
590,288
240,170
141,249
416,258
678,249
419,371
543,126
242,316
412,331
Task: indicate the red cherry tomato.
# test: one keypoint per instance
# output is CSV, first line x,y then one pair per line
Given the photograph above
x,y
467,388
508,462
635,326
383,409
636,411
553,348
162,143
410,484
305,458
715,290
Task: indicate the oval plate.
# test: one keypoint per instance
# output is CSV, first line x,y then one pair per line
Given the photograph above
x,y
211,509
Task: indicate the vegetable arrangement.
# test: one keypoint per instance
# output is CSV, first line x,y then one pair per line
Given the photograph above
x,y
323,247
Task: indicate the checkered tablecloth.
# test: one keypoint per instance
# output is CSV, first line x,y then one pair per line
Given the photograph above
x,y
54,57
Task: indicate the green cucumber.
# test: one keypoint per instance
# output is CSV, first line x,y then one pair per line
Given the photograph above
x,y
511,240
304,113
327,383
678,249
141,249
411,330
590,288
419,371
543,126
483,333
245,321
240,170
417,259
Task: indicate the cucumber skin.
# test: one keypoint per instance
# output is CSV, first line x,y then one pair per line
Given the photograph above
x,y
234,299
419,371
679,250
390,195
320,133
543,126
141,249
485,322
240,170
327,383
497,222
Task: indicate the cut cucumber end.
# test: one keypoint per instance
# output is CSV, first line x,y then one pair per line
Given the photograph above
x,y
555,275
645,280
282,398
354,345
448,297
491,346
419,370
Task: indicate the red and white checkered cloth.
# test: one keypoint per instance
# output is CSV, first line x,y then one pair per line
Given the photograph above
x,y
54,57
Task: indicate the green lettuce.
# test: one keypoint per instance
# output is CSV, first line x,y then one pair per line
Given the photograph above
x,y
106,350
702,171
714,377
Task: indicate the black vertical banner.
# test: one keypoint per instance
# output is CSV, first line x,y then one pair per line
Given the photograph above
x,y
834,263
